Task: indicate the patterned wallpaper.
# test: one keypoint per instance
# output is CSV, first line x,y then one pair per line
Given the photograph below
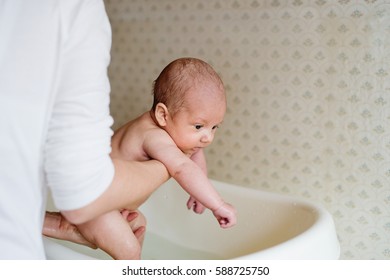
x,y
308,94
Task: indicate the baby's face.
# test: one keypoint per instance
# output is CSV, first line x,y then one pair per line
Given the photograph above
x,y
193,127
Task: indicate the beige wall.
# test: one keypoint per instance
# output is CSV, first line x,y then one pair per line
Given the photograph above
x,y
309,97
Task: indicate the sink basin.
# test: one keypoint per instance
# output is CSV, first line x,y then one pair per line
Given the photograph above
x,y
270,226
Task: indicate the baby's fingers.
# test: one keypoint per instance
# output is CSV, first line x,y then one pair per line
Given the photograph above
x,y
225,223
190,203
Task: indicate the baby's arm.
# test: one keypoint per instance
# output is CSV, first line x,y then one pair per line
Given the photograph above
x,y
200,159
160,146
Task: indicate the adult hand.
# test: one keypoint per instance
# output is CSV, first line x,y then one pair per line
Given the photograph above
x,y
56,226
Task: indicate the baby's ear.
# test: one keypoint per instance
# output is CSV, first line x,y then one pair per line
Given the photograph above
x,y
161,113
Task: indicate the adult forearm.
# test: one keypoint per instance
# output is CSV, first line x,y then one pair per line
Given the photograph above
x,y
133,183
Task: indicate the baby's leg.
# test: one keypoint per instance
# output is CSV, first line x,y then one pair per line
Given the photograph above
x,y
113,234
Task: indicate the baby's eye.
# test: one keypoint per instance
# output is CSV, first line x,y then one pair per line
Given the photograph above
x,y
198,126
215,127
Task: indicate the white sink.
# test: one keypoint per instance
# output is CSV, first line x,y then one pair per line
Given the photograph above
x,y
270,226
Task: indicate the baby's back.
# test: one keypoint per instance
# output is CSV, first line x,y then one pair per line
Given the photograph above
x,y
127,141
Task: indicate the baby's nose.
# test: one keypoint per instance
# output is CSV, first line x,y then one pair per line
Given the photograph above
x,y
207,137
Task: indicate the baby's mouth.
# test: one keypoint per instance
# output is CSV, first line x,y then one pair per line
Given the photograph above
x,y
196,149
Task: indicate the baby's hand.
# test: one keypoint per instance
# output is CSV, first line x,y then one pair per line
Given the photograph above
x,y
226,215
195,205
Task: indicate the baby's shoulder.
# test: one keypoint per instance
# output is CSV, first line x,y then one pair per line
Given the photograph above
x,y
145,128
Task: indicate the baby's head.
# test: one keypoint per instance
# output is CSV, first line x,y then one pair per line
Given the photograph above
x,y
189,93
175,81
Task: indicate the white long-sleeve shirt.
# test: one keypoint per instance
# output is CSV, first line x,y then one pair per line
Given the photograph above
x,y
54,114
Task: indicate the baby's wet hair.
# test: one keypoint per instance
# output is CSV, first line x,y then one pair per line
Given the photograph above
x,y
178,77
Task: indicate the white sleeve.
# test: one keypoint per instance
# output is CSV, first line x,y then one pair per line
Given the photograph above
x,y
77,162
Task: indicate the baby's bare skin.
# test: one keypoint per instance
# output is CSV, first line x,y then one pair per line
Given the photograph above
x,y
175,136
116,224
56,226
187,165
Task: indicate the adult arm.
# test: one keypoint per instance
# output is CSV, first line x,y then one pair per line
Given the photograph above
x,y
131,186
84,180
